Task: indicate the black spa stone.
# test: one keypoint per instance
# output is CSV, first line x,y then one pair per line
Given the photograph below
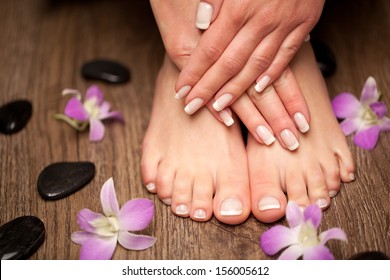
x,y
325,58
106,70
61,179
14,116
370,255
21,237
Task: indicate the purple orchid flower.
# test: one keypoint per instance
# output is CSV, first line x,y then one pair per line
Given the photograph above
x,y
94,109
366,118
102,232
301,237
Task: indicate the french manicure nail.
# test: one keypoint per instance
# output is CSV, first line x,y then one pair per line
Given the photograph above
x,y
193,106
265,135
231,207
301,122
181,209
150,187
167,201
226,118
352,176
262,84
307,38
268,203
200,214
289,139
332,194
182,92
321,202
204,15
222,102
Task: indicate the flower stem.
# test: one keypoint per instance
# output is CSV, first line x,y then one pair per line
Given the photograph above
x,y
80,126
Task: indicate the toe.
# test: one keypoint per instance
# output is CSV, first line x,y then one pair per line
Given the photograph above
x,y
164,182
296,186
182,193
202,197
316,187
149,164
346,164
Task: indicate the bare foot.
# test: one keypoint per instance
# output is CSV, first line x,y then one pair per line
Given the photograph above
x,y
311,174
194,163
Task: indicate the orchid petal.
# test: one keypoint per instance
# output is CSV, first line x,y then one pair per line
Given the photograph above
x,y
111,115
95,92
136,214
384,124
108,198
333,233
134,241
79,237
319,252
277,238
313,213
369,93
98,248
379,109
96,130
346,105
348,126
75,109
294,214
291,253
367,138
85,217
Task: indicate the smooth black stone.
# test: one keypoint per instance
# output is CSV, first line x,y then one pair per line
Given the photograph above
x,y
370,255
21,237
325,58
61,179
106,70
14,116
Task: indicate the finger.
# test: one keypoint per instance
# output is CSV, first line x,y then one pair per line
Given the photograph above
x,y
225,116
207,12
274,112
253,120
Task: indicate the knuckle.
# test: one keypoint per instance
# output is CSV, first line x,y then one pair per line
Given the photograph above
x,y
212,52
231,65
290,50
261,62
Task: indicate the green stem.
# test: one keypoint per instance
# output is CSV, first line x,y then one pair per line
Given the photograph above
x,y
80,126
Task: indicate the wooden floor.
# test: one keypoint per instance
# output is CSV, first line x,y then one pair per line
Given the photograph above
x,y
43,45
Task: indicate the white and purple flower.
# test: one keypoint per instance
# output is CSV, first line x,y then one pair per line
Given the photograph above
x,y
301,237
94,109
102,232
365,117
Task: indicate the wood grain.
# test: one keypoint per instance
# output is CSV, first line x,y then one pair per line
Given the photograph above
x,y
42,47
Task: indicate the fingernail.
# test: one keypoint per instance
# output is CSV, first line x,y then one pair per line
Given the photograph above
x,y
200,214
204,15
231,207
226,118
181,209
265,135
289,139
268,203
307,38
352,176
222,101
182,92
193,106
332,193
321,202
167,201
261,85
150,187
301,122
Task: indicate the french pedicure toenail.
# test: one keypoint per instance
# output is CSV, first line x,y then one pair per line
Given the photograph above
x,y
231,207
226,118
301,122
204,15
332,194
262,84
183,92
322,203
289,139
352,176
222,102
167,201
193,106
181,209
268,203
265,135
200,214
150,187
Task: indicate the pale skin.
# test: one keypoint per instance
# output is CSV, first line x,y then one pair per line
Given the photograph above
x,y
202,168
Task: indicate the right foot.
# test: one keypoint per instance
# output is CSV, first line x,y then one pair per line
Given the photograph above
x,y
194,163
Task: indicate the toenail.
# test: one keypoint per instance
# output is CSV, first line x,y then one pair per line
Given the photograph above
x,y
268,203
150,187
332,193
231,207
352,176
181,209
200,214
289,139
321,202
167,201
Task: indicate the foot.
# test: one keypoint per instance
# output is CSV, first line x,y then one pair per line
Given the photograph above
x,y
311,174
195,164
